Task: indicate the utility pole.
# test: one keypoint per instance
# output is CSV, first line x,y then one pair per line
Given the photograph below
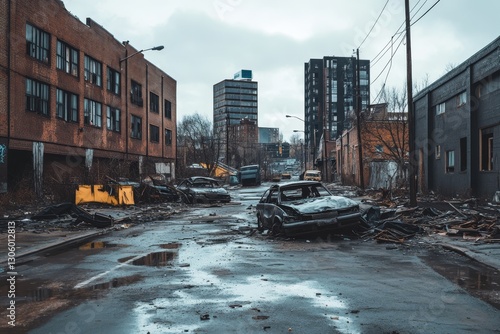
x,y
411,121
358,120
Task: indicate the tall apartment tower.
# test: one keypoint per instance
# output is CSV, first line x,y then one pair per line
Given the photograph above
x,y
235,100
330,96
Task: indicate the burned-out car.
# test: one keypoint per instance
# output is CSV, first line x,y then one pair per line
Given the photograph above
x,y
201,189
305,207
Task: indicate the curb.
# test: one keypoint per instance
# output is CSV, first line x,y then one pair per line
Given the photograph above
x,y
481,258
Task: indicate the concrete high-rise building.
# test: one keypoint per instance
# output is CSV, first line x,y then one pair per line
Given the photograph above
x,y
330,96
234,100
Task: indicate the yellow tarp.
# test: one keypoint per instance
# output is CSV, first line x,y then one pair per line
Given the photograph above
x,y
113,194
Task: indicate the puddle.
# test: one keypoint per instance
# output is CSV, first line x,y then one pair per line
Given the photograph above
x,y
116,282
477,279
156,259
97,245
172,245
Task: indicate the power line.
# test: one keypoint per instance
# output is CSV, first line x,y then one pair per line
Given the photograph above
x,y
391,44
425,12
376,21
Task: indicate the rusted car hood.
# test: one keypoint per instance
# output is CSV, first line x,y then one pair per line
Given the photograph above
x,y
316,205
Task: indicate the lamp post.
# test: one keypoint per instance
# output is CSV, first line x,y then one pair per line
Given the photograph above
x,y
302,151
155,48
300,119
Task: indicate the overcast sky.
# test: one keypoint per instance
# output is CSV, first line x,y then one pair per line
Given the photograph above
x,y
207,41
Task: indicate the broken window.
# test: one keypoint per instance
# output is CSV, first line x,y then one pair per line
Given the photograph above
x,y
67,58
113,81
168,109
379,148
66,106
113,119
438,152
168,137
93,71
463,154
486,149
450,161
37,43
92,113
136,127
136,93
461,99
154,102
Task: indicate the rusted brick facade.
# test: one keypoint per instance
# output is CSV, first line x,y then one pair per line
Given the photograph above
x,y
79,137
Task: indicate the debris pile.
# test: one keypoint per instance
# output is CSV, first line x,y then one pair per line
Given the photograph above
x,y
398,224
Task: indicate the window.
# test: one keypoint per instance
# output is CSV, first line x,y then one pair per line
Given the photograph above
x,y
136,127
379,149
168,137
113,119
463,154
92,113
113,81
461,99
37,97
486,149
66,106
37,43
154,134
440,108
168,109
154,102
450,161
136,94
67,58
438,152
93,71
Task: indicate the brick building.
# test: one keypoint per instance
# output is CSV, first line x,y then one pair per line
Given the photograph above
x,y
457,126
384,138
75,103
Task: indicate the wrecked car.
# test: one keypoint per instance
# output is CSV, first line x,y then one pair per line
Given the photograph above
x,y
201,189
305,207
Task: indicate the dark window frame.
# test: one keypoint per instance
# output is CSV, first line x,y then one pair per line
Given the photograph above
x,y
168,137
168,109
136,93
67,58
154,133
154,103
66,106
113,81
37,97
37,43
113,119
135,127
92,71
92,113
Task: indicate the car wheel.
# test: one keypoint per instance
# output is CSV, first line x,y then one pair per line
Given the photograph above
x,y
277,228
260,223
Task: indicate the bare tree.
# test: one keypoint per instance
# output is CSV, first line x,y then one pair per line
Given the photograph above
x,y
386,130
197,143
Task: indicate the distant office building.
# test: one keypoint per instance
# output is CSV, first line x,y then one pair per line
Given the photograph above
x,y
330,95
269,135
234,101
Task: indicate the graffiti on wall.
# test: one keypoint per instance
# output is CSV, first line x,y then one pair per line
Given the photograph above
x,y
3,153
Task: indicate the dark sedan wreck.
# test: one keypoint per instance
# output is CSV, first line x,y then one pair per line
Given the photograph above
x,y
305,207
201,189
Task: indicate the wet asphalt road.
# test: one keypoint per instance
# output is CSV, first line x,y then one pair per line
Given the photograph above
x,y
209,271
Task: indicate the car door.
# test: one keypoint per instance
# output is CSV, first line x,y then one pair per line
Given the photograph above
x,y
267,207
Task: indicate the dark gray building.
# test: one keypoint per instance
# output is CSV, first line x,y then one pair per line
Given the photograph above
x,y
234,101
457,128
330,95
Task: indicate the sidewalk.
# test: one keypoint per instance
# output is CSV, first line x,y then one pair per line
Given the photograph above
x,y
480,251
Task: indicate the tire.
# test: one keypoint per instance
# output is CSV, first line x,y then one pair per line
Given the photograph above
x,y
260,224
277,228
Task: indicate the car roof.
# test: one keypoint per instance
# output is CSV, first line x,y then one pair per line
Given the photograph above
x,y
195,178
296,184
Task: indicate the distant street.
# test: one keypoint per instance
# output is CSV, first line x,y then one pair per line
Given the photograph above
x,y
209,271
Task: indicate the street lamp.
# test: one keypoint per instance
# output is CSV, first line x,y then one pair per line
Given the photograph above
x,y
300,119
155,48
